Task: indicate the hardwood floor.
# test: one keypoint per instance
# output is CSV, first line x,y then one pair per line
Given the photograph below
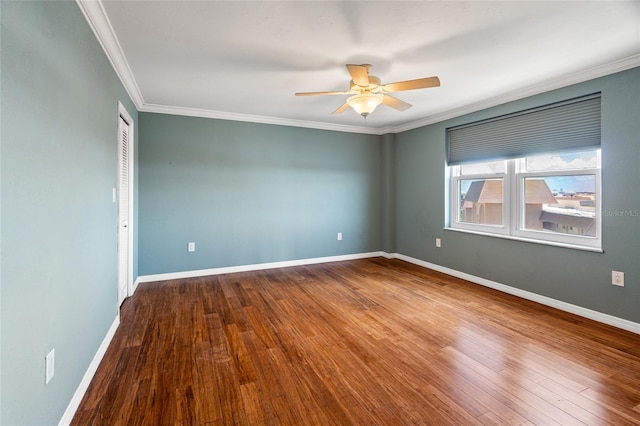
x,y
372,341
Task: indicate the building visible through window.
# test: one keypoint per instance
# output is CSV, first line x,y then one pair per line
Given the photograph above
x,y
544,198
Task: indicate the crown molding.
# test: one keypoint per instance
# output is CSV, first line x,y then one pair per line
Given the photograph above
x,y
556,83
536,89
206,113
96,16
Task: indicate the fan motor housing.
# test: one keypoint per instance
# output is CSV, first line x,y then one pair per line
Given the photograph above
x,y
374,83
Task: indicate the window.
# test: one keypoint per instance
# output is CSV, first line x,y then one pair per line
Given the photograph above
x,y
551,197
479,196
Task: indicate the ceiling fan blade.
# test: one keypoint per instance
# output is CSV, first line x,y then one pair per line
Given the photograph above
x,y
321,93
359,74
420,83
342,109
395,103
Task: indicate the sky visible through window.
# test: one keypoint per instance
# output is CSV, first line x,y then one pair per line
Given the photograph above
x,y
571,184
544,163
571,161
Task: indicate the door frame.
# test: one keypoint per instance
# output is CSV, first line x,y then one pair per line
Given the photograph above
x,y
122,112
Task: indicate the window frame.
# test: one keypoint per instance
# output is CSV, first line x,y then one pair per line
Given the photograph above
x,y
455,206
514,207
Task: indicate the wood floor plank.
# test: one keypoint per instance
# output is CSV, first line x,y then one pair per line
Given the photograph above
x,y
207,401
621,411
372,341
252,402
140,403
603,413
229,393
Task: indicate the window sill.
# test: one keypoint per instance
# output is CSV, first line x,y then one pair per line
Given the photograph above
x,y
528,240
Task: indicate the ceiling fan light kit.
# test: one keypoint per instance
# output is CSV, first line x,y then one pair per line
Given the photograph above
x,y
368,92
365,103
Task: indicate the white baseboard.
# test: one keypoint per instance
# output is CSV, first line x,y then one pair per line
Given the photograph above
x,y
255,267
544,300
67,417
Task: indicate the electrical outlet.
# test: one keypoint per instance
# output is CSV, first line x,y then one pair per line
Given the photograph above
x,y
339,236
49,366
438,242
191,247
617,278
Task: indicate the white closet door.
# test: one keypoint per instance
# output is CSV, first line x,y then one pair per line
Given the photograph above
x,y
123,209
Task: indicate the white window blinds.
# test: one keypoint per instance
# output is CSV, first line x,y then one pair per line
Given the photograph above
x,y
570,125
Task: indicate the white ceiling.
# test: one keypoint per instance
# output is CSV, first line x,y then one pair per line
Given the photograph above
x,y
244,60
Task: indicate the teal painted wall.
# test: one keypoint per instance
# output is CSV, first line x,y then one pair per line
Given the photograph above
x,y
388,190
577,277
253,193
58,166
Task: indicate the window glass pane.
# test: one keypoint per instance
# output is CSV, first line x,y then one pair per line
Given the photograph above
x,y
569,161
561,204
483,168
481,201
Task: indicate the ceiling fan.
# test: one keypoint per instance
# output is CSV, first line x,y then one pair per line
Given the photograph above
x,y
368,92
